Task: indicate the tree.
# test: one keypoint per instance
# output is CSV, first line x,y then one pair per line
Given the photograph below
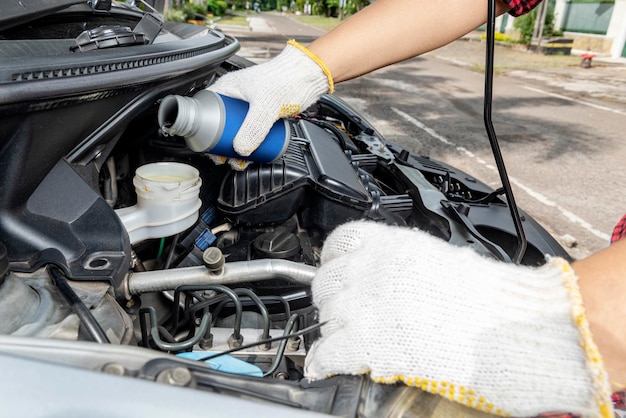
x,y
332,7
217,7
526,24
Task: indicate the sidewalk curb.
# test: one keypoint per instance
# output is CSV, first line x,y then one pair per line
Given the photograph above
x,y
603,58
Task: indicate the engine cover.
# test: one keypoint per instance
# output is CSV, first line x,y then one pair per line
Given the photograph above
x,y
314,173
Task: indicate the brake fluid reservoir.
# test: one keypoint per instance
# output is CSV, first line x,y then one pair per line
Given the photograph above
x,y
167,201
209,122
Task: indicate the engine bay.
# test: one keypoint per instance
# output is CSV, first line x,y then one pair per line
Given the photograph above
x,y
241,272
223,304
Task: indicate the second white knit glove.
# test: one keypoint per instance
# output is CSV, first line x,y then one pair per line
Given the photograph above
x,y
281,87
404,306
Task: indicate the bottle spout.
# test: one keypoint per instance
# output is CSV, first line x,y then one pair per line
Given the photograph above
x,y
177,115
197,119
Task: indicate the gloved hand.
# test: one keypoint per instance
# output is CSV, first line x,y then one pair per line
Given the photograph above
x,y
405,306
281,87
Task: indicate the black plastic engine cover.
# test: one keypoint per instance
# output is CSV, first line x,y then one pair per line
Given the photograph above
x,y
313,173
61,113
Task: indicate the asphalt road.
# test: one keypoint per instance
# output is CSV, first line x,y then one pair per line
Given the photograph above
x,y
561,129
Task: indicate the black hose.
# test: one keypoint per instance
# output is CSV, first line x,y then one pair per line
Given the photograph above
x,y
170,254
166,334
87,320
341,136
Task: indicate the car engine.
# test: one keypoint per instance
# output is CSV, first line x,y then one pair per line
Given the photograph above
x,y
223,302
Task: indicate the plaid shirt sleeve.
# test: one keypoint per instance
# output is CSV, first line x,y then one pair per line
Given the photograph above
x,y
620,230
520,7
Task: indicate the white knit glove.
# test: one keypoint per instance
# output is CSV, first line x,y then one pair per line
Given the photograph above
x,y
281,87
405,306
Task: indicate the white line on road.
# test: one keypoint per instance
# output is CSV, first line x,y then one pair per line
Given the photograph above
x,y
454,61
535,195
560,96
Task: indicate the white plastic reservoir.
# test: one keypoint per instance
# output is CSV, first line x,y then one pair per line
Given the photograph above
x,y
167,201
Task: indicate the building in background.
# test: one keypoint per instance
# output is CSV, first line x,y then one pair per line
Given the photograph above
x,y
598,27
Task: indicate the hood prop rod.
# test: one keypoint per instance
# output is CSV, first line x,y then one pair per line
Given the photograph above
x,y
522,242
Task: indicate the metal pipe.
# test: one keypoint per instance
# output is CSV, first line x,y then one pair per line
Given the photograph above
x,y
216,287
236,272
291,324
266,316
176,346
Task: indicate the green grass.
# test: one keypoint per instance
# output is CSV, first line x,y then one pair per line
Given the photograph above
x,y
480,68
234,20
326,23
239,19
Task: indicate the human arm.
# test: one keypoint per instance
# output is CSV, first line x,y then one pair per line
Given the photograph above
x,y
385,32
390,31
602,282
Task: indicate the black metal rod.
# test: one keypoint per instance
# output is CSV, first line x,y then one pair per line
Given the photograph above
x,y
90,323
522,242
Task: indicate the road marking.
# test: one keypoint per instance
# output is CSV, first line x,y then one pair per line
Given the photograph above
x,y
581,102
535,195
453,61
400,85
560,96
258,24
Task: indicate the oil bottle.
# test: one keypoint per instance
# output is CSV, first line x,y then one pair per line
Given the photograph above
x,y
209,122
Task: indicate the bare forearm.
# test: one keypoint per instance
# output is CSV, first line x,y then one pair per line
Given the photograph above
x,y
602,281
390,31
